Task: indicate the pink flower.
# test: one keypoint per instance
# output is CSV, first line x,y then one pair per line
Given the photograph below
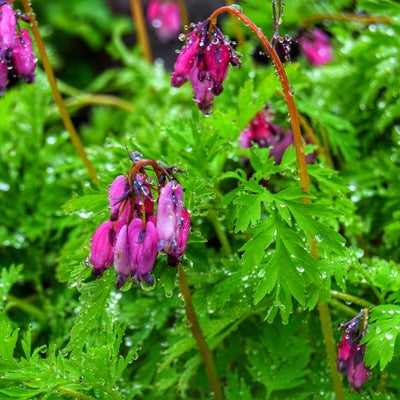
x,y
121,257
165,17
350,359
118,191
23,57
143,249
316,46
3,77
102,255
8,25
205,61
169,214
176,251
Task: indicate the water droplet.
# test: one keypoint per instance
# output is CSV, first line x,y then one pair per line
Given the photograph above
x,y
319,237
300,269
389,336
237,7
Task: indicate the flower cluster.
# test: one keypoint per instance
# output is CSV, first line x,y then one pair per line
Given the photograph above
x,y
316,46
16,55
147,217
350,359
204,60
264,133
165,18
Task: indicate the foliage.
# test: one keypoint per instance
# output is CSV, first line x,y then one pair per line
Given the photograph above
x,y
254,279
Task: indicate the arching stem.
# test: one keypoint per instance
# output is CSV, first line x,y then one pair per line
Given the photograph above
x,y
299,144
69,126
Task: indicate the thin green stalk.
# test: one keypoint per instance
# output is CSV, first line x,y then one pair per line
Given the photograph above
x,y
24,305
141,29
69,126
184,14
304,179
199,336
352,299
342,307
221,233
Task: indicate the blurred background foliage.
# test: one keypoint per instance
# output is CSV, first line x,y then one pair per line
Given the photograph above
x,y
63,333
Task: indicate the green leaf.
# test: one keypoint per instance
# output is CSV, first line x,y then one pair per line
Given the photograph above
x,y
382,334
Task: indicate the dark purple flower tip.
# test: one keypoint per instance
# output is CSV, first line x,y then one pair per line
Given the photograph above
x,y
3,77
147,278
120,281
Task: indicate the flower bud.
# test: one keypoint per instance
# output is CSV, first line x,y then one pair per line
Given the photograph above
x,y
121,257
102,255
23,57
8,24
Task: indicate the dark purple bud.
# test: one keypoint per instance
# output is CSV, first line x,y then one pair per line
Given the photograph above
x,y
3,77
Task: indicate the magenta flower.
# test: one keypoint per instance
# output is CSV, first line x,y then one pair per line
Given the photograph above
x,y
102,255
316,46
147,217
165,17
176,251
169,214
17,59
204,60
143,249
23,57
264,133
350,359
121,257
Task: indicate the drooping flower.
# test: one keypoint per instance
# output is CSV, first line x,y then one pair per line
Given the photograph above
x,y
102,254
17,60
204,60
165,18
264,133
169,214
143,249
350,359
147,217
316,46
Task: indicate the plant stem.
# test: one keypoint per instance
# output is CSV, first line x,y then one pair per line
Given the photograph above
x,y
304,180
198,335
141,29
330,348
353,299
74,393
184,14
365,19
342,307
69,126
24,305
221,233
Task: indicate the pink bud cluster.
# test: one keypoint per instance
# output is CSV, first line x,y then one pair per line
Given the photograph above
x,y
165,18
350,359
204,61
264,133
147,218
17,59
